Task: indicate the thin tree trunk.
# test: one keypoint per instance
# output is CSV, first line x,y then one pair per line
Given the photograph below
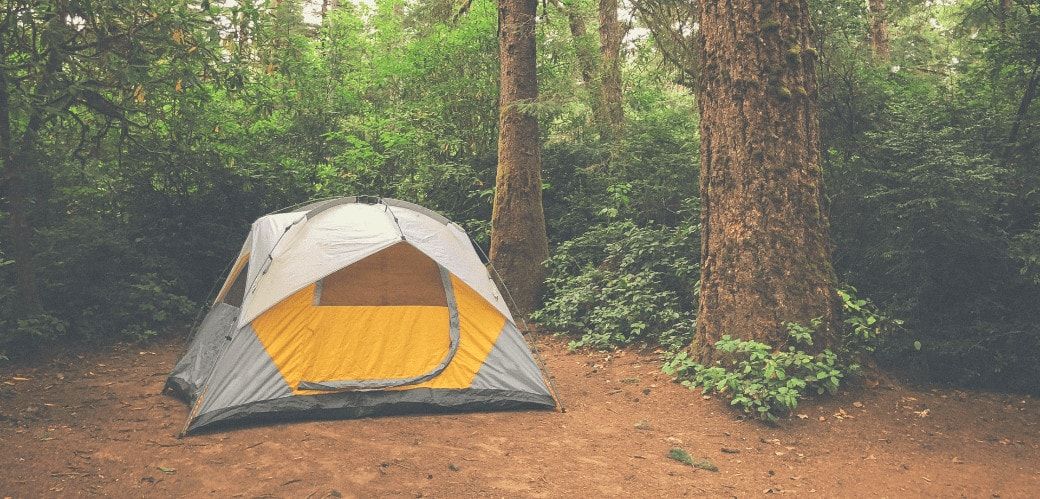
x,y
1002,13
579,33
765,252
611,34
1023,109
327,6
586,53
878,29
519,245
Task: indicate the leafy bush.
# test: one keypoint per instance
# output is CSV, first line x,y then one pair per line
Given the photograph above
x,y
761,381
768,383
927,222
621,283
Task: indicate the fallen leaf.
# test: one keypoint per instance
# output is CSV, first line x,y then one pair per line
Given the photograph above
x,y
168,471
857,404
803,416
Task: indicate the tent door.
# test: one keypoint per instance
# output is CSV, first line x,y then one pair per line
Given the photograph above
x,y
379,384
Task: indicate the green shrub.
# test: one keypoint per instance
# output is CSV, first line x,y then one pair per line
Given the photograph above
x,y
767,383
762,382
620,283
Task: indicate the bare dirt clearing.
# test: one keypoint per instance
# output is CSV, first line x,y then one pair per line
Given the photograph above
x,y
96,424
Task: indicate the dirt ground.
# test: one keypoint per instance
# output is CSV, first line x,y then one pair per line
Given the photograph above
x,y
96,424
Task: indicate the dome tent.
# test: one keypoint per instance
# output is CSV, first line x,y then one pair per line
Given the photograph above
x,y
354,307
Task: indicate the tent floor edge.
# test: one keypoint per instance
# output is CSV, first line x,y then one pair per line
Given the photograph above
x,y
363,404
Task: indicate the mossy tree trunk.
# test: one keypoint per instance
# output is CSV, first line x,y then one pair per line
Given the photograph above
x,y
878,29
611,34
519,245
765,254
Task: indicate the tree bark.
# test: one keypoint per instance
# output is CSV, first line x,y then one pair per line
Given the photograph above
x,y
611,34
1023,109
878,29
327,6
519,245
1003,10
584,51
765,252
17,158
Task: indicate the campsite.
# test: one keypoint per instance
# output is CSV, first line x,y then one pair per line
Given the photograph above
x,y
519,248
104,428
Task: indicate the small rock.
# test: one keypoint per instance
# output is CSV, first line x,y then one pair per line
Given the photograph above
x,y
453,467
642,425
673,441
728,450
857,404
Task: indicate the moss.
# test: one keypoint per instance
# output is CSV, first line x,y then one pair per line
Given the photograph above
x,y
680,455
793,53
706,465
801,91
783,92
812,52
770,25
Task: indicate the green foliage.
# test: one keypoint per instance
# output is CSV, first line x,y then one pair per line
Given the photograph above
x,y
621,283
760,381
1025,249
152,160
922,221
678,454
866,326
767,383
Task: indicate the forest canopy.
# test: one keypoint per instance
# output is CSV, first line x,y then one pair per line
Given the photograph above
x,y
140,139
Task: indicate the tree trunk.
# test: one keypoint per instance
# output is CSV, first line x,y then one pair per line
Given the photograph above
x,y
327,6
585,51
610,36
878,29
16,159
518,241
765,252
1002,13
1023,110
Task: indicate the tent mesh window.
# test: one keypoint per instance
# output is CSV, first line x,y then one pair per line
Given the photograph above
x,y
397,276
235,293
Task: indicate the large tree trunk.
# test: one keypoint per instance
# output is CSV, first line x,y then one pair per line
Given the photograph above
x,y
765,253
518,241
878,29
611,34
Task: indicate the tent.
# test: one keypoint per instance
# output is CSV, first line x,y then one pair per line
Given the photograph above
x,y
353,307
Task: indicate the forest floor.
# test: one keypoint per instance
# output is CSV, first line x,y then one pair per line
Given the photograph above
x,y
95,423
